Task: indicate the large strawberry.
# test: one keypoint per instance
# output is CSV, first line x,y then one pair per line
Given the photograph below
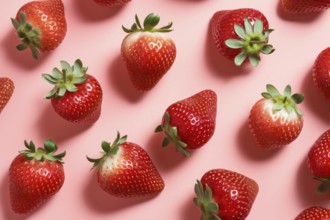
x,y
40,25
35,175
7,88
275,120
148,52
190,123
126,170
76,96
314,213
321,69
305,6
111,3
224,194
240,34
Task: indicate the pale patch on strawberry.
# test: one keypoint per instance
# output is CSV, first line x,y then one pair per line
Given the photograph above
x,y
282,115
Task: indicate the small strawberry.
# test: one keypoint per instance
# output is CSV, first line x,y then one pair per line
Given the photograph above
x,y
275,120
111,3
7,88
76,96
148,52
240,34
314,213
304,6
190,123
40,25
126,170
35,175
226,195
321,72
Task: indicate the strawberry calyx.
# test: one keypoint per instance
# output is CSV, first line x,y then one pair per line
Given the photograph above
x,y
149,24
205,202
253,40
43,154
286,101
171,136
28,34
324,186
66,79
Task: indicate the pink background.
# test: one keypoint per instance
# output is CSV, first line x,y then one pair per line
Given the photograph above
x,y
94,35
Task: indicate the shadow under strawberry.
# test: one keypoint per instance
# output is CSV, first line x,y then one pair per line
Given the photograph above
x,y
189,209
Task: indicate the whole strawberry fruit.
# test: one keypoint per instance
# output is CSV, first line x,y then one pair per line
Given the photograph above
x,y
314,213
40,25
111,3
241,34
76,96
126,170
7,88
35,175
226,195
275,120
190,123
148,52
321,76
305,6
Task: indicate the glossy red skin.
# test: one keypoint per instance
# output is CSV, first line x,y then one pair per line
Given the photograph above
x,y
83,106
270,133
321,72
305,6
314,213
148,56
49,17
110,3
318,156
32,183
6,90
195,118
233,192
222,27
134,176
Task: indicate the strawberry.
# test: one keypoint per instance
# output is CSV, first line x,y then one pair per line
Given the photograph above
x,y
147,52
314,213
111,3
35,175
240,34
7,88
321,72
190,123
76,96
275,120
319,161
304,6
126,170
40,25
224,194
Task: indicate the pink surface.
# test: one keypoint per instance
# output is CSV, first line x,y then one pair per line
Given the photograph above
x,y
94,35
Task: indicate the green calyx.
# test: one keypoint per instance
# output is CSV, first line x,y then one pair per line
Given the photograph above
x,y
149,24
324,186
253,40
29,35
109,150
171,135
205,202
286,101
42,154
65,80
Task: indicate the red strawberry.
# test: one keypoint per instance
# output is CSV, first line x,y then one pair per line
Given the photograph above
x,y
314,213
190,123
148,52
7,88
77,96
321,72
305,6
126,170
226,195
35,175
319,161
40,25
111,3
241,33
